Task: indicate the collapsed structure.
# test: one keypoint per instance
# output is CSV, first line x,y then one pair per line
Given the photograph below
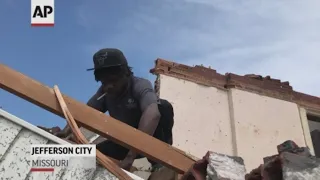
x,y
241,119
246,116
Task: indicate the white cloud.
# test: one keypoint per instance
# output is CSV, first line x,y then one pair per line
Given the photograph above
x,y
270,37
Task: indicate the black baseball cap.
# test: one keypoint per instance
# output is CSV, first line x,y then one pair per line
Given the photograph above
x,y
108,57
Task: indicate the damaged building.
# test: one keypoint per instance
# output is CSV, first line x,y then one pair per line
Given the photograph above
x,y
249,118
246,116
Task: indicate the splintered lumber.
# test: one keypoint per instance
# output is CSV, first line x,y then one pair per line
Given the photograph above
x,y
102,159
93,120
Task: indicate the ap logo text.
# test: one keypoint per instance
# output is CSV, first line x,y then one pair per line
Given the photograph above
x,y
42,12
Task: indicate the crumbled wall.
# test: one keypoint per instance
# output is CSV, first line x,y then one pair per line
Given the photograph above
x,y
229,121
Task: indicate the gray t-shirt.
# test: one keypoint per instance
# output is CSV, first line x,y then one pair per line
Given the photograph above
x,y
129,106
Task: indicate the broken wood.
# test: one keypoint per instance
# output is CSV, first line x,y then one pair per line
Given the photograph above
x,y
102,159
93,120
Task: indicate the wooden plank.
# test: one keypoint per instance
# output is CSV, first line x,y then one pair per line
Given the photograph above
x,y
102,159
106,126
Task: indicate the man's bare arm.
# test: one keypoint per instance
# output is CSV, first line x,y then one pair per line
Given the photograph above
x,y
148,123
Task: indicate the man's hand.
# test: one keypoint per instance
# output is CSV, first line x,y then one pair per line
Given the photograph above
x,y
126,163
61,134
50,130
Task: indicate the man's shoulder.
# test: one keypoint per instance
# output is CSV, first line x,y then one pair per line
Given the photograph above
x,y
139,82
140,85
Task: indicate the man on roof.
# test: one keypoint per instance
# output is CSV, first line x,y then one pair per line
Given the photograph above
x,y
129,99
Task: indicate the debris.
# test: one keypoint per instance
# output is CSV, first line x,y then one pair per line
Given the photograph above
x,y
163,173
215,166
222,166
291,163
296,166
254,76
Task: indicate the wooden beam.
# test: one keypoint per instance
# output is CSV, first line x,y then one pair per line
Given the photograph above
x,y
106,126
80,138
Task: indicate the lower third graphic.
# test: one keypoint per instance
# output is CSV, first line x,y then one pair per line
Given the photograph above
x,y
49,158
48,164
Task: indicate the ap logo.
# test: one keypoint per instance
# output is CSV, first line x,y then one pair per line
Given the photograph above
x,y
42,12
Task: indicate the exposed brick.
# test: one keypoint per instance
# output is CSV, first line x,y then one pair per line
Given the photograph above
x,y
254,76
198,74
251,82
204,71
286,83
268,77
312,102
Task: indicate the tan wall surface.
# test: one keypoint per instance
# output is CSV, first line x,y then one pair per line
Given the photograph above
x,y
262,123
207,118
202,120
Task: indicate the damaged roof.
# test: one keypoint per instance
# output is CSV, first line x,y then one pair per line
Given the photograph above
x,y
16,136
102,124
255,83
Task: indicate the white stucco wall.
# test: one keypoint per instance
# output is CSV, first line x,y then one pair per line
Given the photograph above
x,y
262,123
202,120
207,118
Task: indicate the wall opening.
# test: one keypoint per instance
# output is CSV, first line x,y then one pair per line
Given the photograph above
x,y
314,126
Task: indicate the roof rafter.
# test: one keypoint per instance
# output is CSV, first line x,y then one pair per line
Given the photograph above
x,y
43,96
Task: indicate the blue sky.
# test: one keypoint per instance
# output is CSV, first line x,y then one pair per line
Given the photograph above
x,y
270,37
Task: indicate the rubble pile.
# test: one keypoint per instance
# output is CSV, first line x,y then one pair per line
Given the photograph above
x,y
215,166
291,163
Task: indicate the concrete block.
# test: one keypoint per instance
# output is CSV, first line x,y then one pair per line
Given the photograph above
x,y
297,167
226,167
